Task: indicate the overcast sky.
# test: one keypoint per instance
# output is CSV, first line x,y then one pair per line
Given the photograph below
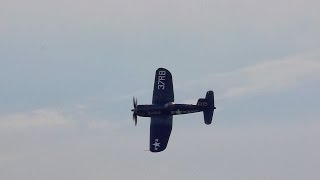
x,y
69,70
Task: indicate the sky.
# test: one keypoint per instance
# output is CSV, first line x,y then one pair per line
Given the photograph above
x,y
69,70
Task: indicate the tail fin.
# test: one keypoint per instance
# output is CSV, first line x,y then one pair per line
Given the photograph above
x,y
207,106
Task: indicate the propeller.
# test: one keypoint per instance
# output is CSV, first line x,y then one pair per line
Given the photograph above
x,y
134,116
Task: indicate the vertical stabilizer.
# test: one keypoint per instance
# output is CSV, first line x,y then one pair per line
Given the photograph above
x,y
209,108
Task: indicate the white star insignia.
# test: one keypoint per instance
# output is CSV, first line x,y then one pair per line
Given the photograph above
x,y
178,112
156,144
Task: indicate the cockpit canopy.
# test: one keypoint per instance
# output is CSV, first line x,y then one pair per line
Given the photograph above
x,y
169,104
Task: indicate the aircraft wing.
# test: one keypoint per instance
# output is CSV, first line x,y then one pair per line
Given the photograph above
x,y
160,130
163,87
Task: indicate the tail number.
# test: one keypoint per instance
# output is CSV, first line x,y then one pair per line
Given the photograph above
x,y
161,80
202,104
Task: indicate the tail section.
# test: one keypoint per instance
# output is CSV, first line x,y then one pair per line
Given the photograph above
x,y
207,106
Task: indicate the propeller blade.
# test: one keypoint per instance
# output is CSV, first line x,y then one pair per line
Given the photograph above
x,y
134,103
135,121
134,117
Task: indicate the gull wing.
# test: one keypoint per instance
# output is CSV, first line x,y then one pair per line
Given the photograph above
x,y
160,130
163,87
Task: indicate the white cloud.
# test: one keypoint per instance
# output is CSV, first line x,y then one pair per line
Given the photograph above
x,y
271,75
42,118
264,77
263,151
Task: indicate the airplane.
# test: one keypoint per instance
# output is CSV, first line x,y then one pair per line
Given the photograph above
x,y
163,108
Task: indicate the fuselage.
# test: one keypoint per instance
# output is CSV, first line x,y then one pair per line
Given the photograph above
x,y
168,109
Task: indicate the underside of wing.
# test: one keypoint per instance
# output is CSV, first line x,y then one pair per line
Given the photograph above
x,y
160,130
163,87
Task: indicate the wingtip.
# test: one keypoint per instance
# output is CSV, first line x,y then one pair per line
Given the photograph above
x,y
168,73
162,69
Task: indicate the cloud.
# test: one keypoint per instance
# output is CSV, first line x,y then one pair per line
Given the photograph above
x,y
262,151
245,152
264,77
41,118
271,75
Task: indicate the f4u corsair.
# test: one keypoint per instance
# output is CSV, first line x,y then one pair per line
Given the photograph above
x,y
162,109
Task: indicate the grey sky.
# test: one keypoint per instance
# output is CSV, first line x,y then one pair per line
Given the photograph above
x,y
69,69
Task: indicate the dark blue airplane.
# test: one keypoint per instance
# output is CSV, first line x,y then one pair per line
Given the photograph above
x,y
163,108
